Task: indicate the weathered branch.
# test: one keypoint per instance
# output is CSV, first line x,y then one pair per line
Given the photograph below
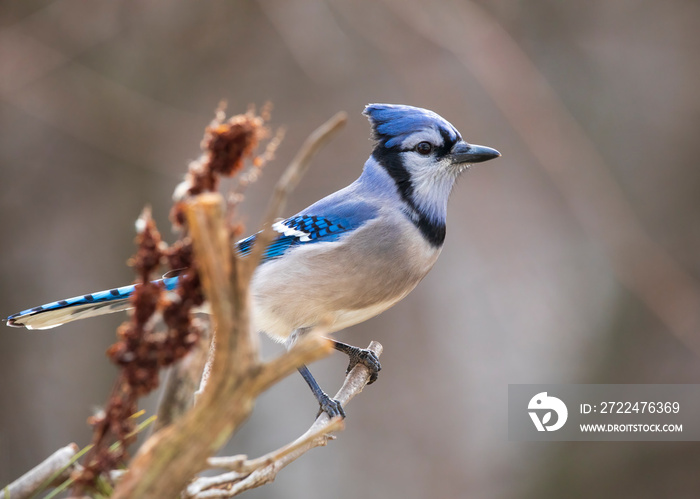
x,y
183,381
36,479
247,474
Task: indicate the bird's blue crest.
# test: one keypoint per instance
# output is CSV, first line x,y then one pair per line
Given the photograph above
x,y
392,123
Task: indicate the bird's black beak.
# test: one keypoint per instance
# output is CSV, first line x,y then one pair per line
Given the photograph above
x,y
471,153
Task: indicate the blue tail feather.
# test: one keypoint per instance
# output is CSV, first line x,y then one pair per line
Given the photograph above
x,y
97,302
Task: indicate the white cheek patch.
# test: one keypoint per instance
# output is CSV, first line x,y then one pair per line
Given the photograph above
x,y
288,231
419,167
432,183
426,135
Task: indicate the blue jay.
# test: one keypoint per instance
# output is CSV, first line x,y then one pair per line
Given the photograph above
x,y
347,257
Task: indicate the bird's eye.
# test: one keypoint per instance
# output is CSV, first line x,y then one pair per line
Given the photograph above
x,y
424,148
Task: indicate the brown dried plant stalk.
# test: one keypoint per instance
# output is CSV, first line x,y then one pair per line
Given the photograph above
x,y
143,349
170,458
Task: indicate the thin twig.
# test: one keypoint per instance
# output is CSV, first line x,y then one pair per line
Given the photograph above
x,y
289,180
244,466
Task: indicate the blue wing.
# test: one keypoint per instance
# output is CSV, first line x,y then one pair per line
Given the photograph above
x,y
298,230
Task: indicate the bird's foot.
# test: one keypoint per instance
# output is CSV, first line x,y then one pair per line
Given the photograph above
x,y
330,406
368,359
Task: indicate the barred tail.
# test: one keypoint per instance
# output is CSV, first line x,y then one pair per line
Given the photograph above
x,y
79,307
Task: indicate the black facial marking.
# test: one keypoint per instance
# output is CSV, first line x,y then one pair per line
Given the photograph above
x,y
447,143
390,160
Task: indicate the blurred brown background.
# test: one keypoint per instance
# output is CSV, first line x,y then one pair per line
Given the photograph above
x,y
573,259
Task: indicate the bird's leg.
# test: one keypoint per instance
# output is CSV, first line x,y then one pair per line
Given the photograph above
x,y
360,356
328,405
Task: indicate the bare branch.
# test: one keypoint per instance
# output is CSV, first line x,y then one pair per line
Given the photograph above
x,y
183,381
244,466
36,479
247,474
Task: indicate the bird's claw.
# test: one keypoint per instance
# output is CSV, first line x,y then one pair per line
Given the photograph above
x,y
330,406
368,359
